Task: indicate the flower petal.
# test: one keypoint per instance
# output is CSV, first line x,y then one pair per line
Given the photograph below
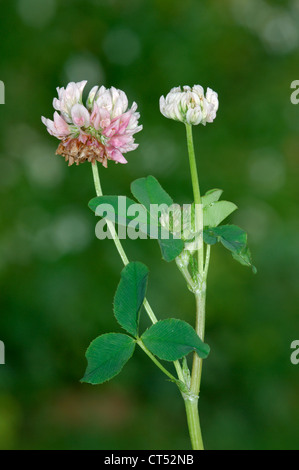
x,y
80,115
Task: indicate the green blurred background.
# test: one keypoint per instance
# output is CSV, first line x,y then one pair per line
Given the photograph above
x,y
58,280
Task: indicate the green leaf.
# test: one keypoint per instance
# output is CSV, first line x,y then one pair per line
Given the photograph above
x,y
244,257
106,357
216,212
149,191
172,339
234,239
231,236
209,237
130,295
171,248
211,196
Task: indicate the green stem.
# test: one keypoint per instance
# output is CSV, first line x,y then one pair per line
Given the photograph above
x,y
193,166
193,424
200,295
155,360
200,330
196,194
185,272
125,260
111,228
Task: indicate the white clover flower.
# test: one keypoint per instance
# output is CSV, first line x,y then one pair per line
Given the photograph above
x,y
103,130
190,105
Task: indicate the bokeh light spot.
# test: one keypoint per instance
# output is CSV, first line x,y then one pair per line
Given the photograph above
x,y
281,34
36,12
267,171
71,232
275,26
43,167
84,66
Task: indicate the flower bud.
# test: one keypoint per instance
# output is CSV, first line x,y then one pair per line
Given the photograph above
x,y
190,105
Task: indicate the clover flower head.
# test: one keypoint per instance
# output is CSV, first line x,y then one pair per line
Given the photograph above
x,y
102,130
190,105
